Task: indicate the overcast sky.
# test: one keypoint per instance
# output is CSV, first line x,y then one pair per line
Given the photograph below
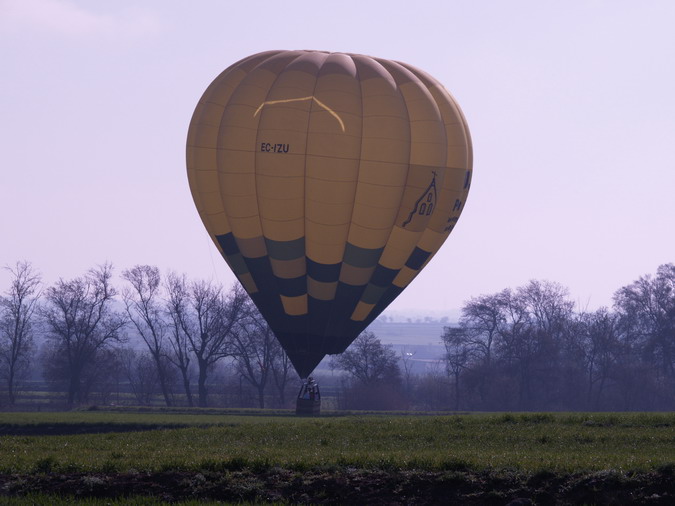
x,y
571,107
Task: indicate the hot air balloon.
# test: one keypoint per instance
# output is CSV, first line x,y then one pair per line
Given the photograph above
x,y
327,182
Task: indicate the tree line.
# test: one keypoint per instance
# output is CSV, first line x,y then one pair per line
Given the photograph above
x,y
526,348
185,329
529,349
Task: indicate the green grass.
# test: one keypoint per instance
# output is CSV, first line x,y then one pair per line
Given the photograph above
x,y
215,441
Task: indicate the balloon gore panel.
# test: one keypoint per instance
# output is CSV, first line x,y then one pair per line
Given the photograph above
x,y
327,181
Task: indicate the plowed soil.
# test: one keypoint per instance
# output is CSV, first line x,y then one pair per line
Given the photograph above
x,y
356,486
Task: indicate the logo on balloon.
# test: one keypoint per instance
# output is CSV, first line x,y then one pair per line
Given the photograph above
x,y
426,203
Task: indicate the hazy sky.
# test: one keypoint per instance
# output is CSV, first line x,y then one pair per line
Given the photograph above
x,y
571,107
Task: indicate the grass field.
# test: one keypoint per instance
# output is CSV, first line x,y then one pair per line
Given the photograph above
x,y
218,442
159,441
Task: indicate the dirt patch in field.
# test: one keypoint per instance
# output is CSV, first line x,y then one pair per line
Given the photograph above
x,y
68,429
359,486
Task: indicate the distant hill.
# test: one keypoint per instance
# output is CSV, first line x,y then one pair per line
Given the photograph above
x,y
414,332
420,338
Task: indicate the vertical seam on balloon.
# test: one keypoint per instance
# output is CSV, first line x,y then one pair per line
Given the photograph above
x,y
421,233
220,123
405,103
384,64
220,127
469,144
216,145
410,153
304,194
333,302
356,187
445,131
277,283
223,76
276,280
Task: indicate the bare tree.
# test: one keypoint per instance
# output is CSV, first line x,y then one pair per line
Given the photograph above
x,y
81,324
252,345
144,308
548,305
207,319
482,318
17,318
258,356
457,356
369,361
177,305
647,311
550,316
141,372
432,390
373,378
600,338
101,379
282,370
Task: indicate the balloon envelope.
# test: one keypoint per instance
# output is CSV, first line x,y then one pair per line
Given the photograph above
x,y
327,181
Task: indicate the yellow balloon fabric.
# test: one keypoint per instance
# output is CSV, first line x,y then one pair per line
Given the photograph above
x,y
327,181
